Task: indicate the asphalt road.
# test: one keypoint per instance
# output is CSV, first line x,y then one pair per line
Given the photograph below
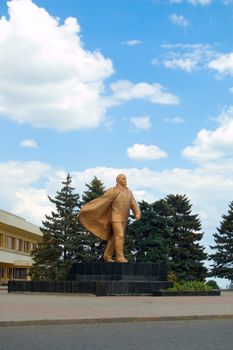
x,y
165,335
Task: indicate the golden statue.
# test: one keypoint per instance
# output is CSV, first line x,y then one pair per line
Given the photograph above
x,y
106,217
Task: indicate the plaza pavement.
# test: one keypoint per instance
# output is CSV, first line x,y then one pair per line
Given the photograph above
x,y
35,308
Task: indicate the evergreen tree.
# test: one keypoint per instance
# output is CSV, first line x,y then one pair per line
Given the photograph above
x,y
186,254
94,190
223,255
147,239
62,237
94,246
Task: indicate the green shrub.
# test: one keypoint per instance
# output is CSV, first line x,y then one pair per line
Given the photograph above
x,y
190,286
213,284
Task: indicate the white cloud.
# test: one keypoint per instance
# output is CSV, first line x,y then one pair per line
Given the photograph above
x,y
17,177
186,46
143,152
188,57
141,122
186,64
212,145
132,42
47,78
175,120
124,90
15,173
143,195
179,20
200,2
223,64
30,143
192,2
32,203
231,90
176,1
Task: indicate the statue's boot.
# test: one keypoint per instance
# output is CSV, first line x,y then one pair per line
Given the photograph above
x,y
119,248
109,250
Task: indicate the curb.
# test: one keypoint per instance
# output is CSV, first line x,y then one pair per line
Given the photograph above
x,y
112,320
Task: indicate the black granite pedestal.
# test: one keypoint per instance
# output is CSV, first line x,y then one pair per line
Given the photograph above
x,y
103,279
120,278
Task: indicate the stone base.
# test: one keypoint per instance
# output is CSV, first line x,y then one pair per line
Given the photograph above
x,y
51,287
102,271
138,288
179,293
99,288
103,279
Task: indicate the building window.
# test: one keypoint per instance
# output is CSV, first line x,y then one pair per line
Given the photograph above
x,y
20,273
10,242
1,240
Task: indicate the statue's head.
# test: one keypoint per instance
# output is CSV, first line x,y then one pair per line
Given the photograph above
x,y
121,180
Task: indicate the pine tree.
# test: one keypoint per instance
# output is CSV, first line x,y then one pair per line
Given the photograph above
x,y
94,246
223,255
62,237
186,254
94,190
147,239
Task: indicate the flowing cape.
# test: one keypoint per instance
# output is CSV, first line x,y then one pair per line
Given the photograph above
x,y
95,216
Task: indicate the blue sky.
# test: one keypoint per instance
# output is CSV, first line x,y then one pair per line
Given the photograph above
x,y
95,88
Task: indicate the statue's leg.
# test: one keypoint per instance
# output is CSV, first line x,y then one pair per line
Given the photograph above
x,y
118,230
109,249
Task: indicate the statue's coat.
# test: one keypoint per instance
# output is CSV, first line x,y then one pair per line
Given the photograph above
x,y
95,216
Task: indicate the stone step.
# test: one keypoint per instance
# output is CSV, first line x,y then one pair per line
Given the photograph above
x,y
111,288
100,288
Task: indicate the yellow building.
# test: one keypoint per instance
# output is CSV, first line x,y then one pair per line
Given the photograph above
x,y
17,238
